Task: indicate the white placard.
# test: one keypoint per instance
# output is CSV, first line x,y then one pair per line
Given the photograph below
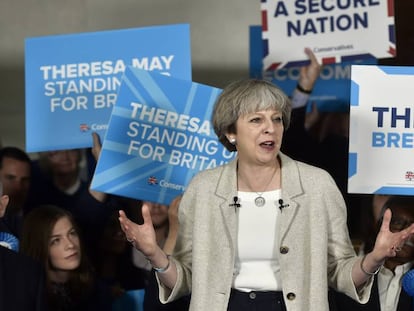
x,y
381,142
336,31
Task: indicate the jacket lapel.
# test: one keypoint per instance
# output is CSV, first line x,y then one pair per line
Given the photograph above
x,y
225,192
291,189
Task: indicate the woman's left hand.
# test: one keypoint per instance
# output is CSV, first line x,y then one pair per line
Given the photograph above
x,y
389,243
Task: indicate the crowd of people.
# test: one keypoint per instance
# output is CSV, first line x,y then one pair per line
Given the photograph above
x,y
286,243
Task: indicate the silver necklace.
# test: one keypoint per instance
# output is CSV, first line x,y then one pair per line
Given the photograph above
x,y
260,201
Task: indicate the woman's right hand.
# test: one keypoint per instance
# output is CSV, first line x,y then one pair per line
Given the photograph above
x,y
141,236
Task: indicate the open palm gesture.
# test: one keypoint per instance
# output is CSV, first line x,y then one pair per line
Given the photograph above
x,y
141,236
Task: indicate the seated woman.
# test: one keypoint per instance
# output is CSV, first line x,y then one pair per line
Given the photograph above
x,y
51,237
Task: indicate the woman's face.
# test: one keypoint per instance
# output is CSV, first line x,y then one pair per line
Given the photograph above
x,y
64,246
259,136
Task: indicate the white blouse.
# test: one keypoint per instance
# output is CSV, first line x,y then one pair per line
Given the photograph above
x,y
257,265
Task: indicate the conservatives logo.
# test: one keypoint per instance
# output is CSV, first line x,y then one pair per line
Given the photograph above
x,y
84,127
152,180
94,127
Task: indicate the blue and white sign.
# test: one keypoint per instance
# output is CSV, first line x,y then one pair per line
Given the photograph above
x,y
381,130
72,80
159,137
336,31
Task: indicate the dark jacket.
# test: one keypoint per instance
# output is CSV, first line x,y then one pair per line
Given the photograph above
x,y
21,282
341,302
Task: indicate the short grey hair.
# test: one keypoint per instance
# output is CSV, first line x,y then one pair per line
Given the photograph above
x,y
247,96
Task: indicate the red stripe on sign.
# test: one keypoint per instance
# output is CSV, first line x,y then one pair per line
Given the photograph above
x,y
273,67
264,20
328,60
390,7
392,51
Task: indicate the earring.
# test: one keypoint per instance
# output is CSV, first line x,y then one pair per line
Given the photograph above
x,y
232,140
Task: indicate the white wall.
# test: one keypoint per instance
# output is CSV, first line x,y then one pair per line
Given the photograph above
x,y
219,36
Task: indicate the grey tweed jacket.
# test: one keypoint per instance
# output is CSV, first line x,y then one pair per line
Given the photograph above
x,y
314,245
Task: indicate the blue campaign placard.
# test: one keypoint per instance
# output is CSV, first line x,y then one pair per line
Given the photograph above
x,y
72,80
159,137
332,89
381,136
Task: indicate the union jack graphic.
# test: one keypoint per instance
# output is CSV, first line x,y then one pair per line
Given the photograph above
x,y
152,180
409,175
84,127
